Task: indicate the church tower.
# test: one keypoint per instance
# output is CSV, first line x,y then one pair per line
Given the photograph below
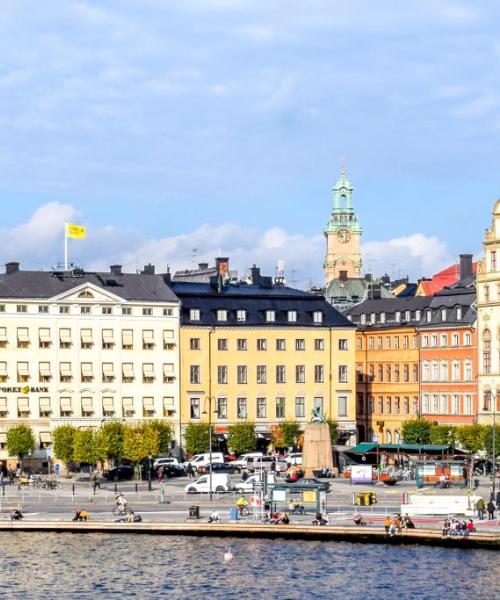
x,y
343,234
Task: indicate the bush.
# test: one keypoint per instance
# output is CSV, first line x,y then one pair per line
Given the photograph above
x,y
242,437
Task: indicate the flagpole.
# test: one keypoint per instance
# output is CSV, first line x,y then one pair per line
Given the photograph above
x,y
65,246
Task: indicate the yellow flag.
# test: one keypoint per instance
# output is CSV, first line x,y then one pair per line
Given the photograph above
x,y
75,231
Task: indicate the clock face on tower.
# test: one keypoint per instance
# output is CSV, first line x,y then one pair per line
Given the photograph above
x,y
343,235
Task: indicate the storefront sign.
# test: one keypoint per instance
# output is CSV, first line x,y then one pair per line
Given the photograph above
x,y
361,474
26,389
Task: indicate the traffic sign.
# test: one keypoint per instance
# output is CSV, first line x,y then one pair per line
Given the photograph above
x,y
48,451
57,468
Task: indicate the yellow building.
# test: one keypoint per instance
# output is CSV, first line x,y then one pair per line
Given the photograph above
x,y
263,353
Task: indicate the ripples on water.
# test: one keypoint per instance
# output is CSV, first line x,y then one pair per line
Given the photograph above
x,y
36,565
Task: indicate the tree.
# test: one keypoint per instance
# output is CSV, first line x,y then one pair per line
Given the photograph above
x,y
443,434
285,435
85,447
471,437
488,439
109,440
416,431
140,442
20,441
242,437
334,431
165,434
197,439
63,438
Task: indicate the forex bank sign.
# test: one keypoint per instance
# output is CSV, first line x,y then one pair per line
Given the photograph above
x,y
26,389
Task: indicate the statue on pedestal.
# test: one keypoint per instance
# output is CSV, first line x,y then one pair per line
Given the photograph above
x,y
317,415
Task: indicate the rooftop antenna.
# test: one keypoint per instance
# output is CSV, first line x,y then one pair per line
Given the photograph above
x,y
294,280
194,254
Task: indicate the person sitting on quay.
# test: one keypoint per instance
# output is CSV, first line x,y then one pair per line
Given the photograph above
x,y
393,528
407,522
121,502
214,517
241,504
446,528
320,519
358,519
16,515
81,515
132,517
285,519
470,527
387,524
295,508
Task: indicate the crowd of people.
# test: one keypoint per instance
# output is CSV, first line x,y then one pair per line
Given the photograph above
x,y
455,527
397,523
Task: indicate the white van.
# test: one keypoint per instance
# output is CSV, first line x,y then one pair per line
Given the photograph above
x,y
248,485
220,483
202,460
242,461
165,462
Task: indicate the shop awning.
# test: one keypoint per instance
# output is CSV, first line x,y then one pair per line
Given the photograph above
x,y
65,336
128,370
44,335
22,369
148,403
128,403
66,404
363,448
87,369
45,437
44,404
45,369
107,336
108,404
87,405
22,334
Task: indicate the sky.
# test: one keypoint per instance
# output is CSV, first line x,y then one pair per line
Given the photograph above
x,y
177,130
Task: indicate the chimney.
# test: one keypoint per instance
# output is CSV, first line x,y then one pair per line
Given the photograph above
x,y
202,266
116,269
465,265
255,275
343,275
149,269
168,276
11,267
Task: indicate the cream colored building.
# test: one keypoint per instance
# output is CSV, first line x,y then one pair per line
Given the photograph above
x,y
488,321
86,348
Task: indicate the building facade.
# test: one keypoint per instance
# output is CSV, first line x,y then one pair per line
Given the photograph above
x,y
83,348
343,235
264,353
488,321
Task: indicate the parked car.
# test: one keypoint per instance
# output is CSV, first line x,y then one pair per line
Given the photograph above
x,y
200,460
294,458
164,461
172,471
248,485
218,468
242,461
266,462
220,483
120,473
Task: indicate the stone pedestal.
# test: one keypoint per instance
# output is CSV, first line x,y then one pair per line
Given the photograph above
x,y
317,449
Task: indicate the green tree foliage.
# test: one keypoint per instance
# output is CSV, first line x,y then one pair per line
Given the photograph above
x,y
471,437
286,434
197,439
109,440
444,434
85,447
242,437
416,431
63,441
20,441
140,442
334,431
165,434
488,440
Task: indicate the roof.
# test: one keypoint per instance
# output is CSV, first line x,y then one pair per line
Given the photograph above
x,y
446,277
366,447
47,284
255,300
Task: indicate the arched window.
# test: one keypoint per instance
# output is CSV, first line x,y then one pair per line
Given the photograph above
x,y
486,351
85,294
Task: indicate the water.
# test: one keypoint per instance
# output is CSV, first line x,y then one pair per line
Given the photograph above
x,y
39,565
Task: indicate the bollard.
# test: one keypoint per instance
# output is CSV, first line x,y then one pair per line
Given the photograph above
x,y
73,489
116,489
136,490
3,488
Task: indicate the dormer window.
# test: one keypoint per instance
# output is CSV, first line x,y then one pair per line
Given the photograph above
x,y
270,316
292,316
362,319
428,315
241,315
382,317
373,318
459,313
443,314
85,294
398,316
194,314
222,315
418,315
318,316
407,316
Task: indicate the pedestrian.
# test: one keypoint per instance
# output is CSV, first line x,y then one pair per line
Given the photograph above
x,y
491,509
446,528
497,499
476,483
96,483
387,524
273,465
480,507
190,471
159,474
244,475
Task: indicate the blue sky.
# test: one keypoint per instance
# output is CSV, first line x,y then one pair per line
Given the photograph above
x,y
165,126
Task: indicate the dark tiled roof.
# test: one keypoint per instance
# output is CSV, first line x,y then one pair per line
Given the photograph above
x,y
45,284
256,300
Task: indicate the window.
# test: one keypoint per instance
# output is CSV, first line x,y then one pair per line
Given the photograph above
x,y
148,340
23,340
280,374
261,344
23,374
85,310
406,373
300,407
468,370
300,344
468,405
388,406
292,316
43,308
65,375
486,351
425,341
406,406
241,315
221,374
444,314
405,342
373,318
454,339
147,312
458,313
444,340
108,407
194,344
3,372
382,317
467,339
343,344
407,316
86,341
44,374
23,408
127,339
222,408
444,371
362,319
107,310
241,405
87,375
397,405
380,405
371,342
425,405
194,408
300,374
318,316
396,343
126,310
168,339
87,407
379,342
194,314
435,371
148,373
359,373
22,308
319,344
342,406
396,373
455,405
414,342
261,374
261,408
455,373
241,374
380,372
108,342
387,342
222,315
443,405
493,260
222,344
280,345
435,404
426,371
434,339
398,316
168,312
428,315
418,315
168,373
44,338
342,373
3,337
486,293
280,407
128,407
2,307
319,374
270,316
415,372
359,343
44,404
194,374
127,372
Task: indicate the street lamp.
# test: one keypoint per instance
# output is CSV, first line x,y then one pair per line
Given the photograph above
x,y
150,458
493,394
209,443
29,464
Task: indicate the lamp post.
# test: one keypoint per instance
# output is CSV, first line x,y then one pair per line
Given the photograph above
x,y
150,458
494,435
29,464
209,399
